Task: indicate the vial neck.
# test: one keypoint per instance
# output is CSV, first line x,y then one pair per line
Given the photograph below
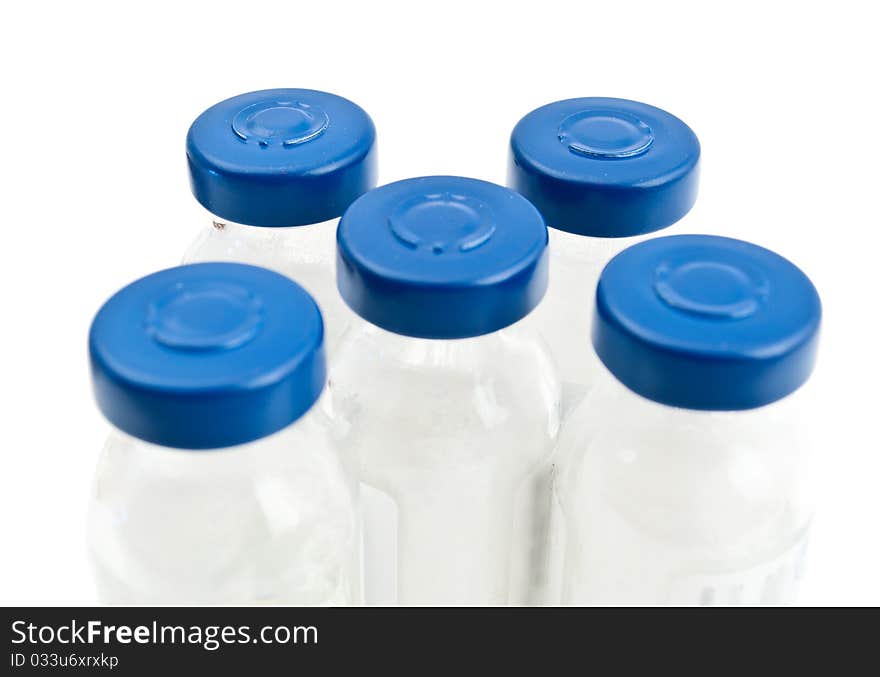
x,y
469,353
586,249
317,232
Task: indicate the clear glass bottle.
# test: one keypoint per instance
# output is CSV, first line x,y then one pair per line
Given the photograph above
x,y
564,316
220,483
685,472
604,173
275,169
303,253
449,405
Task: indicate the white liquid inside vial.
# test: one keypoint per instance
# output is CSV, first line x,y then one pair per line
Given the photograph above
x,y
662,505
270,522
564,316
456,436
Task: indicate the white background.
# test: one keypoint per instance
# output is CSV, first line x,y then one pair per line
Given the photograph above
x,y
97,98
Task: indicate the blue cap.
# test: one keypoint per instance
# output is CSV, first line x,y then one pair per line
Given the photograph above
x,y
207,355
605,167
441,257
705,322
281,157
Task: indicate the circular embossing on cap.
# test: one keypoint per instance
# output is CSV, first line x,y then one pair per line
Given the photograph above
x,y
278,122
442,222
204,315
605,134
710,289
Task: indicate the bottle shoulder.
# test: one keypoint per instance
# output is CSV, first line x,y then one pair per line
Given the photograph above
x,y
300,455
682,474
277,248
515,350
409,402
610,413
509,367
